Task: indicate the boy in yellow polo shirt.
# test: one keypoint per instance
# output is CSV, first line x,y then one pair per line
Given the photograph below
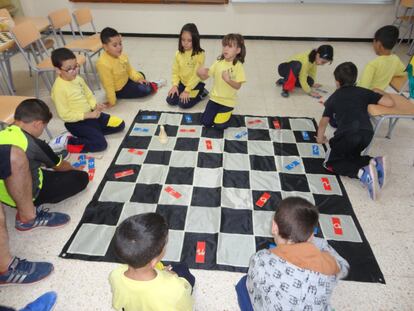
x,y
228,74
143,283
118,77
77,107
378,73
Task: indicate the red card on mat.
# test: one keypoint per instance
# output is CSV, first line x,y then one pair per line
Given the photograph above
x,y
336,222
187,130
123,173
174,193
91,174
200,252
263,199
276,124
136,151
254,121
209,144
326,184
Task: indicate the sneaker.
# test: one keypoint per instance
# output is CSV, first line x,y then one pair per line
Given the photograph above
x,y
44,219
380,164
160,82
46,302
64,154
369,180
280,82
204,94
60,142
285,94
21,271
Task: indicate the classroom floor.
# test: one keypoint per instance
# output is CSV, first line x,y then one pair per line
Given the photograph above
x,y
387,222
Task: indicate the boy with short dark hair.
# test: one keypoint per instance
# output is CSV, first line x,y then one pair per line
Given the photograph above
x,y
302,270
143,283
349,105
379,72
118,77
76,106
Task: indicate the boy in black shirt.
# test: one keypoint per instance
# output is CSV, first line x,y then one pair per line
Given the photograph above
x,y
349,105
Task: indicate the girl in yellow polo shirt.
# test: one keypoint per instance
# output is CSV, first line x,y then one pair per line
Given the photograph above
x,y
187,89
228,74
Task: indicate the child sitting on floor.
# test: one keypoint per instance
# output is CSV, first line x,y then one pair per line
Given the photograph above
x,y
228,74
300,70
118,77
349,105
187,89
77,107
379,72
143,283
302,270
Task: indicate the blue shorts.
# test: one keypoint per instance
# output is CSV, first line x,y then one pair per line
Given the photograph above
x,y
5,165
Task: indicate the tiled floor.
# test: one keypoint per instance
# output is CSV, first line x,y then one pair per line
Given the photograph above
x,y
387,223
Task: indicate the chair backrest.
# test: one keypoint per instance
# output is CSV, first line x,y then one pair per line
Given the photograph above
x,y
25,34
83,17
60,18
407,3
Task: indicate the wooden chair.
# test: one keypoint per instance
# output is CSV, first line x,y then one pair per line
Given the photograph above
x,y
83,17
28,39
403,109
89,46
404,19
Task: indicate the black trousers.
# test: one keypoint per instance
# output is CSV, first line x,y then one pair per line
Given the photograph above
x,y
345,156
58,186
290,73
175,99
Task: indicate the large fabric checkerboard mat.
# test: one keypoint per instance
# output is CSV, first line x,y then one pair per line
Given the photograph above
x,y
209,185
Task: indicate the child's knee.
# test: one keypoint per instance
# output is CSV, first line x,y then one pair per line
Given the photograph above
x,y
172,100
100,144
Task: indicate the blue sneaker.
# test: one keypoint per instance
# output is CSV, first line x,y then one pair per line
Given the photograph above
x,y
44,219
21,271
46,302
380,164
369,180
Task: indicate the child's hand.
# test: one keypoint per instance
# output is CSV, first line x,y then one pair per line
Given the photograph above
x,y
142,81
185,97
173,91
202,72
102,106
169,269
225,75
93,114
321,140
316,85
315,94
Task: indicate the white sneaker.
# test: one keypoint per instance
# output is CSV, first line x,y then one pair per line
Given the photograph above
x,y
160,82
60,142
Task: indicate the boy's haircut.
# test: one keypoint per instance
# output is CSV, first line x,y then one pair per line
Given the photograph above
x,y
325,51
296,219
238,40
141,238
32,109
107,33
346,74
60,55
195,37
388,36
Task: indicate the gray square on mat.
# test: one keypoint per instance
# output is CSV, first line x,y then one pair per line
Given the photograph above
x,y
262,223
235,249
117,191
208,177
236,161
236,198
183,158
203,219
264,181
133,208
152,174
127,157
174,245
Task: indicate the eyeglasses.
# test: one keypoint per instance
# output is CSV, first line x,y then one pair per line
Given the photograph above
x,y
70,69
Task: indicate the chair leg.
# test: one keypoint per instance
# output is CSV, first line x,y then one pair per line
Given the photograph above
x,y
37,84
87,78
376,128
95,76
391,126
6,78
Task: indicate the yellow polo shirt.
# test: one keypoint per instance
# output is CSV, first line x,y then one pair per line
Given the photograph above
x,y
308,69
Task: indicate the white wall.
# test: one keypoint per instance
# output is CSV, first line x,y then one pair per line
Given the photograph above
x,y
296,20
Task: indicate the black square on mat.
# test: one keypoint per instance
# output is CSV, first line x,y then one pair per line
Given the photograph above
x,y
331,204
99,213
158,157
186,144
285,149
257,134
262,163
146,193
171,130
237,121
210,160
300,139
315,166
180,176
235,146
190,246
113,169
243,225
209,197
211,132
283,123
271,203
137,142
294,182
174,214
194,119
142,117
236,179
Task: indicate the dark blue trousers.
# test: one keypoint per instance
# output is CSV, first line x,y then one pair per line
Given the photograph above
x,y
90,133
243,296
212,110
175,99
182,271
134,90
